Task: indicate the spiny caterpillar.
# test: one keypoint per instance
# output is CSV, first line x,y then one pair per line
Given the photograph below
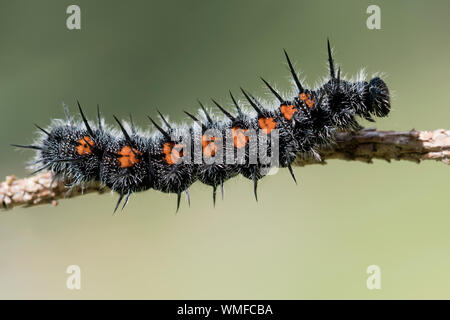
x,y
213,149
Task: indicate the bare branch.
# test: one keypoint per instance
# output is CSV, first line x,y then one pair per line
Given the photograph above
x,y
36,190
364,145
370,144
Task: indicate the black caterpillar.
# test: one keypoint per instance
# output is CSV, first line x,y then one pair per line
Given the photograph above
x,y
214,149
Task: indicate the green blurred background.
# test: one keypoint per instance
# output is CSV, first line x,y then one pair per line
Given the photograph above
x,y
314,240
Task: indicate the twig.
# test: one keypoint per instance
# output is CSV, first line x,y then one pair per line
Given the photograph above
x,y
364,145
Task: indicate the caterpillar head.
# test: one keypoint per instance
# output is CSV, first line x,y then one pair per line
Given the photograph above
x,y
378,102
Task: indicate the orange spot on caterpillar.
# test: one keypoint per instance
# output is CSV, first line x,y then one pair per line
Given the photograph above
x,y
85,145
305,97
128,157
209,146
239,138
172,152
207,140
288,111
210,150
267,124
310,103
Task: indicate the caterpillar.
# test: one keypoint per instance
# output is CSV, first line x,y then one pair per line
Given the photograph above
x,y
247,141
